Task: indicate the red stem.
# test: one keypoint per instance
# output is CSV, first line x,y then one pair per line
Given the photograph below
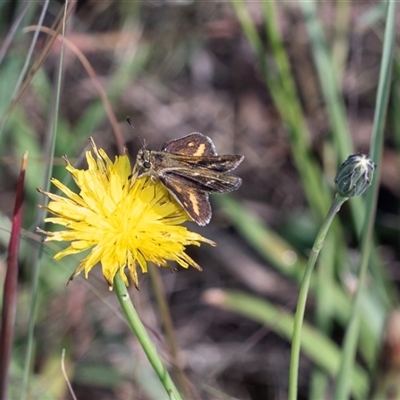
x,y
10,287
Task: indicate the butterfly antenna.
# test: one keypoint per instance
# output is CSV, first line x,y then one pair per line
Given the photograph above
x,y
137,133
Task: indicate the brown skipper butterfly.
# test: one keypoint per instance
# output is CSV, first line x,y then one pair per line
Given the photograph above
x,y
191,169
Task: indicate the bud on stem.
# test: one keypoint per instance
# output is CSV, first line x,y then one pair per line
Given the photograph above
x,y
355,175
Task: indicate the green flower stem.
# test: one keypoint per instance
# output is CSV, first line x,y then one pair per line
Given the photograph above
x,y
166,319
144,339
305,284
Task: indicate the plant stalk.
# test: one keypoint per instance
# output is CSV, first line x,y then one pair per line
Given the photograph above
x,y
138,329
305,284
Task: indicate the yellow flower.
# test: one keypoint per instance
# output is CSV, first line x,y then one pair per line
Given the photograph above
x,y
122,219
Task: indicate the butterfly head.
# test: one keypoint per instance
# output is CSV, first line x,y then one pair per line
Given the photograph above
x,y
143,159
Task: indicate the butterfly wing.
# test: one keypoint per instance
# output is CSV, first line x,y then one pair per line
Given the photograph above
x,y
223,163
194,144
205,180
190,168
194,201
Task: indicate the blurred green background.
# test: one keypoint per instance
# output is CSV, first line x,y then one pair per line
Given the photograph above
x,y
290,86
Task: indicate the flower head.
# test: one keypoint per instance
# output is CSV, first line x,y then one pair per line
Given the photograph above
x,y
355,175
123,220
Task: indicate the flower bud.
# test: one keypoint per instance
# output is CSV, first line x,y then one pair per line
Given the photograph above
x,y
355,175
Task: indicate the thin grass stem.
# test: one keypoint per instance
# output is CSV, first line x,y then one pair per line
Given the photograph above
x,y
282,89
336,112
352,332
36,257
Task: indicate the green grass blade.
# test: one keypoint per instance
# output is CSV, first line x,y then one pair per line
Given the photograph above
x,y
352,332
283,92
321,350
51,139
336,111
276,251
327,77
